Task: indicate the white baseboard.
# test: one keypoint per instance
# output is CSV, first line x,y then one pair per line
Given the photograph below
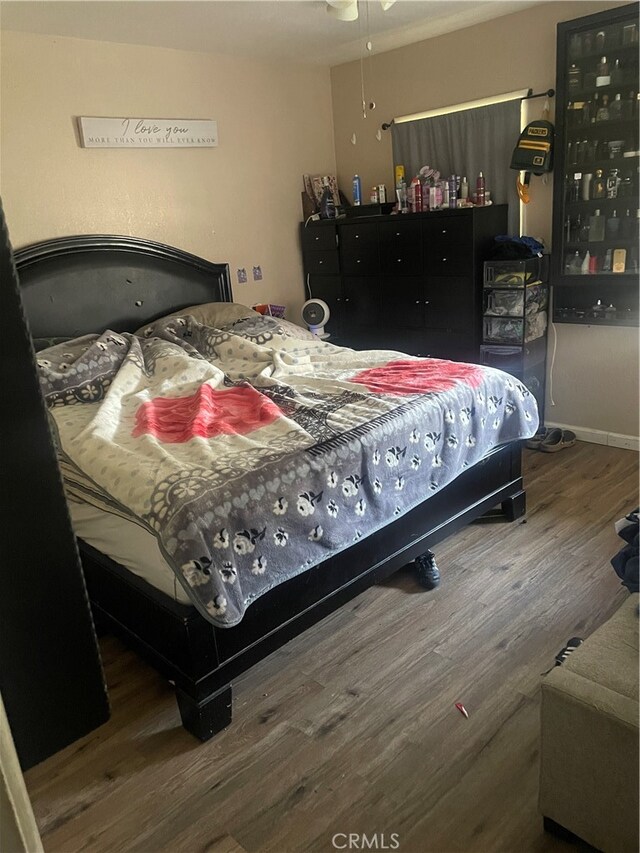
x,y
597,436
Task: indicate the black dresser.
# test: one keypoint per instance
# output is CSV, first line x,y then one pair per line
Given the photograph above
x,y
409,282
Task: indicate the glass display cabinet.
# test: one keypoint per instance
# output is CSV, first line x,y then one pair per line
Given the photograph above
x,y
596,210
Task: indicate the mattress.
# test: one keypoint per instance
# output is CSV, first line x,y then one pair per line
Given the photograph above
x,y
128,544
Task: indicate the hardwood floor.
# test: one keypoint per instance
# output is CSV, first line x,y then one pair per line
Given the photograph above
x,y
337,734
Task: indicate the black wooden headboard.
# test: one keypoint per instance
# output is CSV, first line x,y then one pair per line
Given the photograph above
x,y
75,286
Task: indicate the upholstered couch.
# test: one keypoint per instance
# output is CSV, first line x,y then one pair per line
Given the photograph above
x,y
589,752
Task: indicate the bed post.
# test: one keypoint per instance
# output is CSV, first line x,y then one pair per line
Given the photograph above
x,y
207,717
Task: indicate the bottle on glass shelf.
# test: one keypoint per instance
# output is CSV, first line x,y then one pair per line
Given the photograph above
x,y
584,267
574,232
573,187
574,77
480,189
596,227
606,264
603,78
612,225
598,185
593,264
575,264
600,41
615,108
583,234
603,109
617,73
627,226
628,104
585,186
595,105
612,183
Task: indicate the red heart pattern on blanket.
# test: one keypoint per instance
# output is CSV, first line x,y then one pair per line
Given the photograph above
x,y
416,377
207,413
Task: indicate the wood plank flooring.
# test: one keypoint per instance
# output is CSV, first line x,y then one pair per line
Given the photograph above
x,y
337,734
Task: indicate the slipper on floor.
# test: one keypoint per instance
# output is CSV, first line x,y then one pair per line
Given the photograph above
x,y
535,441
557,439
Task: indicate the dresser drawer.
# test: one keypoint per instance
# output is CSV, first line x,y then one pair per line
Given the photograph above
x,y
363,262
319,237
322,262
403,259
448,245
355,237
400,232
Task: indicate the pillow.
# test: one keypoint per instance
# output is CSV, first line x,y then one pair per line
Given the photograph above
x,y
215,314
291,330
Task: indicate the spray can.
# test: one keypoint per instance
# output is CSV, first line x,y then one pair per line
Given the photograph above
x,y
357,190
382,193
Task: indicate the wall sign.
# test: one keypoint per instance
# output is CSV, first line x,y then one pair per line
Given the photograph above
x,y
147,132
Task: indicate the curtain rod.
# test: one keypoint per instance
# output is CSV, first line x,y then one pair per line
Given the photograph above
x,y
529,96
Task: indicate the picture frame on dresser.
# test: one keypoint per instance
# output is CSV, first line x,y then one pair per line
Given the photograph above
x,y
595,204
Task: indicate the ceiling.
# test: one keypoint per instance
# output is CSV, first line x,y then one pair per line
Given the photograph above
x,y
283,30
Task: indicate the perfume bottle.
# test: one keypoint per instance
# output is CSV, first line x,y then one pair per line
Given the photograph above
x,y
603,77
593,112
615,109
585,186
627,226
600,41
612,183
574,77
574,234
584,267
574,267
598,185
606,265
583,233
617,73
612,225
603,110
596,227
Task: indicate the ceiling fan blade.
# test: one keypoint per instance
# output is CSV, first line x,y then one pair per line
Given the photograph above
x,y
343,10
386,4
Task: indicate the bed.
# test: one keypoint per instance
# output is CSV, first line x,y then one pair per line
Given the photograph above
x,y
88,284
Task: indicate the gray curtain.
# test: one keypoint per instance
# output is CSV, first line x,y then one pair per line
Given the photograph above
x,y
465,143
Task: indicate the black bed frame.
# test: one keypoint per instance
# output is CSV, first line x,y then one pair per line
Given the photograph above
x,y
79,285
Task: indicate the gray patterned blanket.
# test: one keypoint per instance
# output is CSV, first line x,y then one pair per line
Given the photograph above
x,y
252,455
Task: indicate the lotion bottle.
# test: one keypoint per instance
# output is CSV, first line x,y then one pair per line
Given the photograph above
x,y
480,190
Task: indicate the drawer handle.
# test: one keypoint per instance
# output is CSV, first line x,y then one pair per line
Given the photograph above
x,y
347,299
338,299
358,261
426,301
357,236
397,233
317,238
417,302
444,260
399,260
444,230
320,262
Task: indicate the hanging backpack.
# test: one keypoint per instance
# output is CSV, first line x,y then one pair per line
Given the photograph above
x,y
533,154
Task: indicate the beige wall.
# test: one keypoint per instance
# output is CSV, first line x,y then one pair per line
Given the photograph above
x,y
596,369
239,202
